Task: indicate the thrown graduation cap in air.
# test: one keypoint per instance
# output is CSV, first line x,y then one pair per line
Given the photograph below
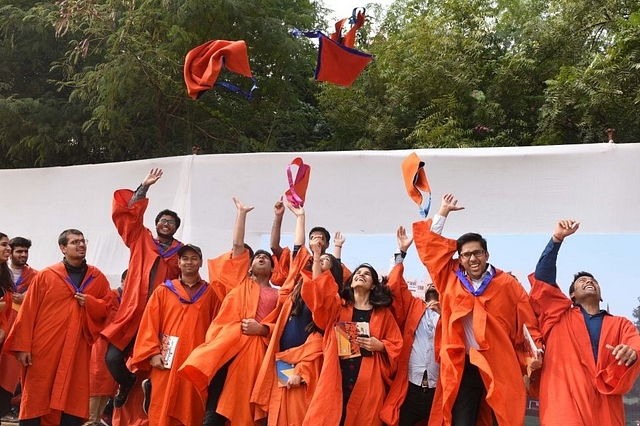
x,y
338,62
415,181
297,191
203,64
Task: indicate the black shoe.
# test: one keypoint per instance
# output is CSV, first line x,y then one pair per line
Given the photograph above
x,y
123,394
146,391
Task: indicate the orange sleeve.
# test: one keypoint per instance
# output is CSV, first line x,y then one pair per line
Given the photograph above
x,y
617,379
21,334
391,338
281,267
227,272
436,253
128,220
4,315
97,306
148,342
322,298
548,303
402,297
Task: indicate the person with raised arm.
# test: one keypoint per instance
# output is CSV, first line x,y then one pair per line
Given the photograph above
x,y
224,368
591,356
482,345
152,261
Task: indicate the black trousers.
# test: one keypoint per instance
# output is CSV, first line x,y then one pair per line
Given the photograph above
x,y
117,365
417,405
472,391
65,420
5,402
211,418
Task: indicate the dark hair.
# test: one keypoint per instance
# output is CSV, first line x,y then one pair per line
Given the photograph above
x,y
273,265
322,230
468,238
6,278
63,239
19,242
167,212
249,249
578,275
124,275
380,293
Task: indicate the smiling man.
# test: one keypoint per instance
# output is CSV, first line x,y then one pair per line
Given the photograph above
x,y
602,349
61,317
483,310
152,261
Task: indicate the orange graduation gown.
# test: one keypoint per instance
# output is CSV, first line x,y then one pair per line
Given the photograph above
x,y
288,406
174,400
498,315
224,341
575,389
58,332
376,371
408,311
282,265
102,382
149,266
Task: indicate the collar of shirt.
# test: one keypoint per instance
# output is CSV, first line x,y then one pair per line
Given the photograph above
x,y
476,282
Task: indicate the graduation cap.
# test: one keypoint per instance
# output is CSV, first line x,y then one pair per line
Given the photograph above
x,y
203,64
338,62
298,188
415,181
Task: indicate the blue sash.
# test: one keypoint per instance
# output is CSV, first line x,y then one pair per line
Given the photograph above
x,y
196,296
82,287
465,282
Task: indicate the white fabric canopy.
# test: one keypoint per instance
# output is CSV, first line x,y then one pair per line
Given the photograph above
x,y
520,190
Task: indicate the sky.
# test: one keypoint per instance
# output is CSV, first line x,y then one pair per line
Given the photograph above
x,y
343,9
609,257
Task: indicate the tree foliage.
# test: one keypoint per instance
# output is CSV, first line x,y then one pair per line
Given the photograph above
x,y
101,80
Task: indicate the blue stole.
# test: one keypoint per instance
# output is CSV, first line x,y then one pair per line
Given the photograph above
x,y
82,287
168,253
465,282
196,296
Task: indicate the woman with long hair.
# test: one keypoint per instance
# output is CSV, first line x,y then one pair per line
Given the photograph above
x,y
352,386
6,286
291,367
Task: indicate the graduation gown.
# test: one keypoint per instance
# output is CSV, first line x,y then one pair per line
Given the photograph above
x,y
575,389
288,406
498,315
282,265
101,381
408,311
58,332
174,400
149,266
376,371
224,341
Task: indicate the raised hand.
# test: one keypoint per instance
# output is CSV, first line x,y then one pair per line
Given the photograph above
x,y
152,177
339,239
449,204
564,228
404,242
298,211
315,244
278,208
241,207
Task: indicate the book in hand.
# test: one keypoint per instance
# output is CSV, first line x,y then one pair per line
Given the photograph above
x,y
531,351
285,371
168,349
346,333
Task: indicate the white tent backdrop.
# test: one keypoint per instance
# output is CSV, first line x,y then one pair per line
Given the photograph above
x,y
521,190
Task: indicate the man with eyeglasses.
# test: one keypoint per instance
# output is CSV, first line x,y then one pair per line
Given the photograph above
x,y
152,261
61,316
481,348
591,357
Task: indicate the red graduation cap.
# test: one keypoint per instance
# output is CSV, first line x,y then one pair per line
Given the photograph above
x,y
338,62
298,188
203,64
415,181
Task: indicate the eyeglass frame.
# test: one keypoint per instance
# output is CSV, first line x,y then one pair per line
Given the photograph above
x,y
476,253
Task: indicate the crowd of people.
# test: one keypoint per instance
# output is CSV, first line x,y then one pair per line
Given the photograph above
x,y
293,337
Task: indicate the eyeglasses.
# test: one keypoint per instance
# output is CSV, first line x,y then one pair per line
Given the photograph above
x,y
167,221
476,253
78,242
